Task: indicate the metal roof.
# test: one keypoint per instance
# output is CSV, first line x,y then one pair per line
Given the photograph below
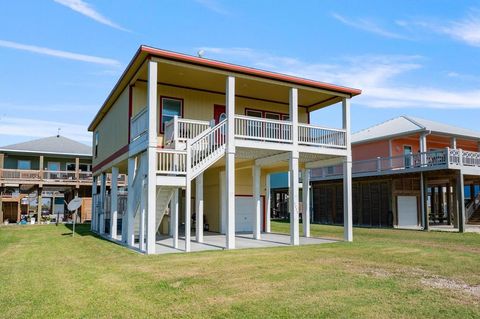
x,y
145,52
406,125
58,145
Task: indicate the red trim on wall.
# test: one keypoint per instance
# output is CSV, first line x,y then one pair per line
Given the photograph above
x,y
118,153
160,129
130,108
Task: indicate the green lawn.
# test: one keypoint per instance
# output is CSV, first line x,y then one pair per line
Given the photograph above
x,y
384,273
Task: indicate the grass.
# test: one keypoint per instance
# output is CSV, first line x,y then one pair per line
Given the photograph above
x,y
44,273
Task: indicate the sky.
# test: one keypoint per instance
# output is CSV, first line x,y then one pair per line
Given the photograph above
x,y
59,59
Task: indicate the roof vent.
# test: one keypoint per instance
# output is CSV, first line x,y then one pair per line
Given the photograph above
x,y
58,132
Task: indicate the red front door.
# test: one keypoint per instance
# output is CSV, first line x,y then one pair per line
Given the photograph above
x,y
219,113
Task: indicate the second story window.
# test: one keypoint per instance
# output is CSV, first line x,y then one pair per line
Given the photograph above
x,y
24,164
169,107
95,145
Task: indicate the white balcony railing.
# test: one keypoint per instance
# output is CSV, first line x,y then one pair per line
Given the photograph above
x,y
446,158
139,125
253,128
170,161
181,130
320,136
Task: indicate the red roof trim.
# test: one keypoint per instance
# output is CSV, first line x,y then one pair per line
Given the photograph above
x,y
249,71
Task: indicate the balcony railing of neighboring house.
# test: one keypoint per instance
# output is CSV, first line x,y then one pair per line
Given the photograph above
x,y
19,174
446,158
56,177
139,125
181,130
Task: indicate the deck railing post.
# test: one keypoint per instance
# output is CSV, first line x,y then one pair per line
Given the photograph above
x,y
379,164
460,157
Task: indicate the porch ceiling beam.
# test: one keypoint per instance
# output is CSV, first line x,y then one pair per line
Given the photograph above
x,y
249,77
324,103
325,162
282,157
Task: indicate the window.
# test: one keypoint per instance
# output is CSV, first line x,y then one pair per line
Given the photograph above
x,y
82,167
95,148
169,107
254,113
53,166
24,164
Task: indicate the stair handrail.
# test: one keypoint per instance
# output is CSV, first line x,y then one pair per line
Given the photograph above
x,y
472,206
193,159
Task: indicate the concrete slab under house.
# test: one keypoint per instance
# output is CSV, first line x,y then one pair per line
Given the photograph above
x,y
198,139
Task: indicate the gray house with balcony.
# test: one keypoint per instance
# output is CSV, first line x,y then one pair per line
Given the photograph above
x,y
38,176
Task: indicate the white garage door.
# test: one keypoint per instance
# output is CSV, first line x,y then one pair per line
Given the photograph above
x,y
407,211
244,210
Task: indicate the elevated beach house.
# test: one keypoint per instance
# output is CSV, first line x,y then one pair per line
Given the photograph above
x,y
197,138
408,173
38,176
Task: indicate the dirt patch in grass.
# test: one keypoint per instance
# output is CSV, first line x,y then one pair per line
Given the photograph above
x,y
450,284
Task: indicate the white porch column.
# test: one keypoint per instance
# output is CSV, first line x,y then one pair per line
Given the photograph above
x,y
257,220
188,214
93,225
347,175
453,142
268,209
306,202
114,203
230,162
152,158
141,226
130,222
293,198
461,201
423,148
199,208
174,218
103,190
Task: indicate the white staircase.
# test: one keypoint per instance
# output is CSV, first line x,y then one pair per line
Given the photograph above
x,y
206,149
164,195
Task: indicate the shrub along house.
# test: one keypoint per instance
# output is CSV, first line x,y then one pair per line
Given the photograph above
x,y
408,173
199,136
37,176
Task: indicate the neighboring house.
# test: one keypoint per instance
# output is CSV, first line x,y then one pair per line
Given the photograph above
x,y
407,173
174,119
38,176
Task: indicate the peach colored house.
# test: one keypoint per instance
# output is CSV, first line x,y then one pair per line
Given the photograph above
x,y
407,173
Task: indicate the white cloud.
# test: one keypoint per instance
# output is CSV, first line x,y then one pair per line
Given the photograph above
x,y
59,53
466,30
367,25
13,126
379,77
87,10
213,5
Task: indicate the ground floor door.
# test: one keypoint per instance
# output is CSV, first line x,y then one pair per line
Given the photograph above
x,y
10,212
244,212
407,211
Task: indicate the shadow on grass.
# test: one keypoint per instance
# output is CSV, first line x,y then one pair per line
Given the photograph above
x,y
80,230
